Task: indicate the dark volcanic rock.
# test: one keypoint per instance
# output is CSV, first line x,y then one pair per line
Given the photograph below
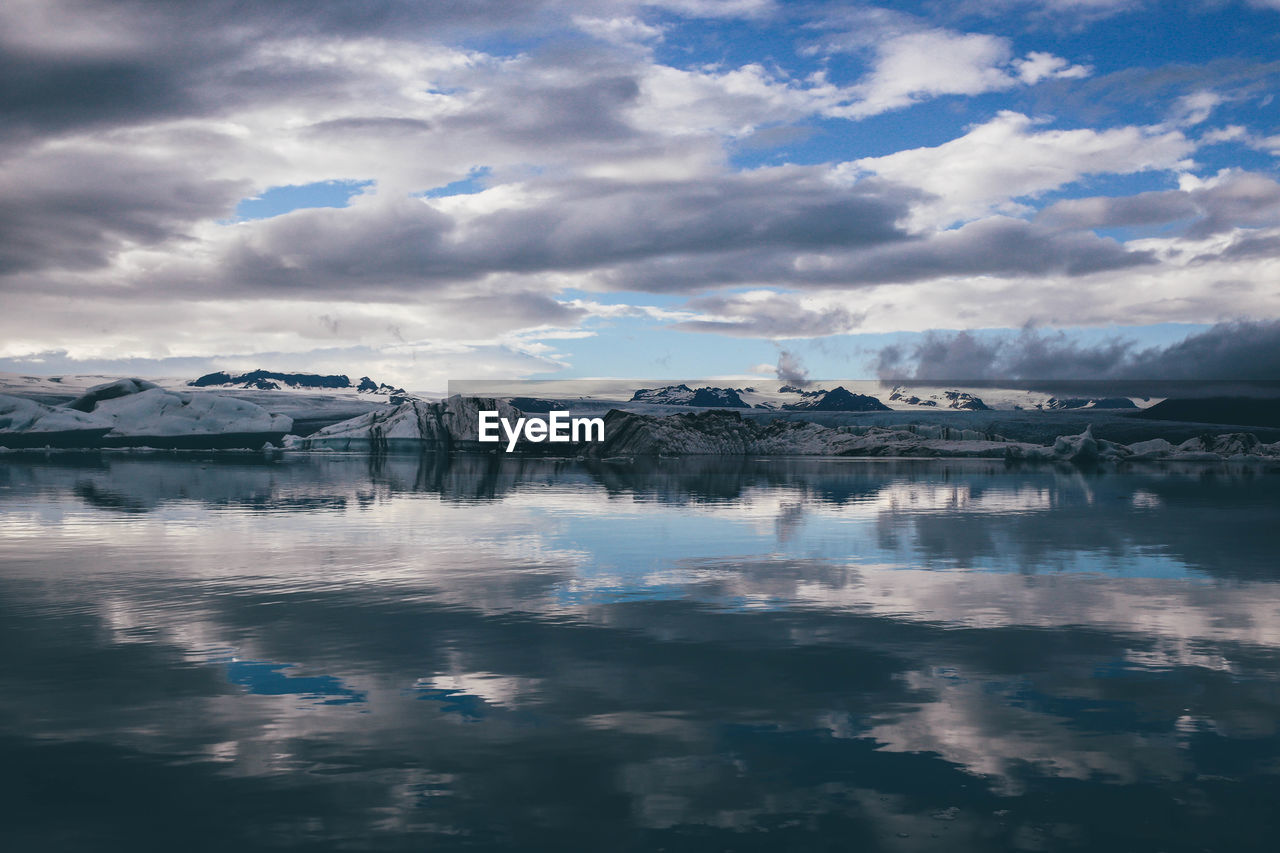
x,y
1243,411
535,405
368,386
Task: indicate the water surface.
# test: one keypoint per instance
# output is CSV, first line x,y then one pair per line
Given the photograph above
x,y
326,653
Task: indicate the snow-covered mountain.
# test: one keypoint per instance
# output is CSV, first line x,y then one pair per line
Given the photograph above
x,y
683,395
788,398
838,399
1053,403
269,380
950,399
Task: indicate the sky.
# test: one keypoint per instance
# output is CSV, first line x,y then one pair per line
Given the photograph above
x,y
497,189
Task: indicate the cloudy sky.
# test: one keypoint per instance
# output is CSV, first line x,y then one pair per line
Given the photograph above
x,y
427,190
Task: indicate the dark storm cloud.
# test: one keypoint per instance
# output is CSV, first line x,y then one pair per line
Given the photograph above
x,y
44,95
142,60
1237,350
71,210
1243,350
579,224
998,246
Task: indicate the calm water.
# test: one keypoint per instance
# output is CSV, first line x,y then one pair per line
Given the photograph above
x,y
329,654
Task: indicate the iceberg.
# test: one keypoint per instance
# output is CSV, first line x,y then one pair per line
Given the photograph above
x,y
160,418
628,434
450,424
134,413
26,423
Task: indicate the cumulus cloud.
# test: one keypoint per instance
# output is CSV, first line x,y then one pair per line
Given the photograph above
x,y
912,62
1007,158
1039,65
500,185
387,245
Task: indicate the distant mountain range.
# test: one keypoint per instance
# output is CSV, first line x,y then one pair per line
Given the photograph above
x,y
838,399
962,400
683,395
1090,403
269,380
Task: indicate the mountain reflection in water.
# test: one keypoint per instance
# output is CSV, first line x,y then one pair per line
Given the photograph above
x,y
322,653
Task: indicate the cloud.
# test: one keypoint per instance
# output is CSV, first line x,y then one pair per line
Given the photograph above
x,y
716,8
791,369
1229,200
628,30
1039,66
1117,95
70,209
916,66
131,131
1061,15
767,314
1234,350
912,63
383,245
1006,158
1195,107
997,246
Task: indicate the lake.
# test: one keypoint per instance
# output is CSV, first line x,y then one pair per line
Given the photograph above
x,y
328,652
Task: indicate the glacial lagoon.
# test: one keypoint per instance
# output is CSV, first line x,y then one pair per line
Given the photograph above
x,y
331,652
